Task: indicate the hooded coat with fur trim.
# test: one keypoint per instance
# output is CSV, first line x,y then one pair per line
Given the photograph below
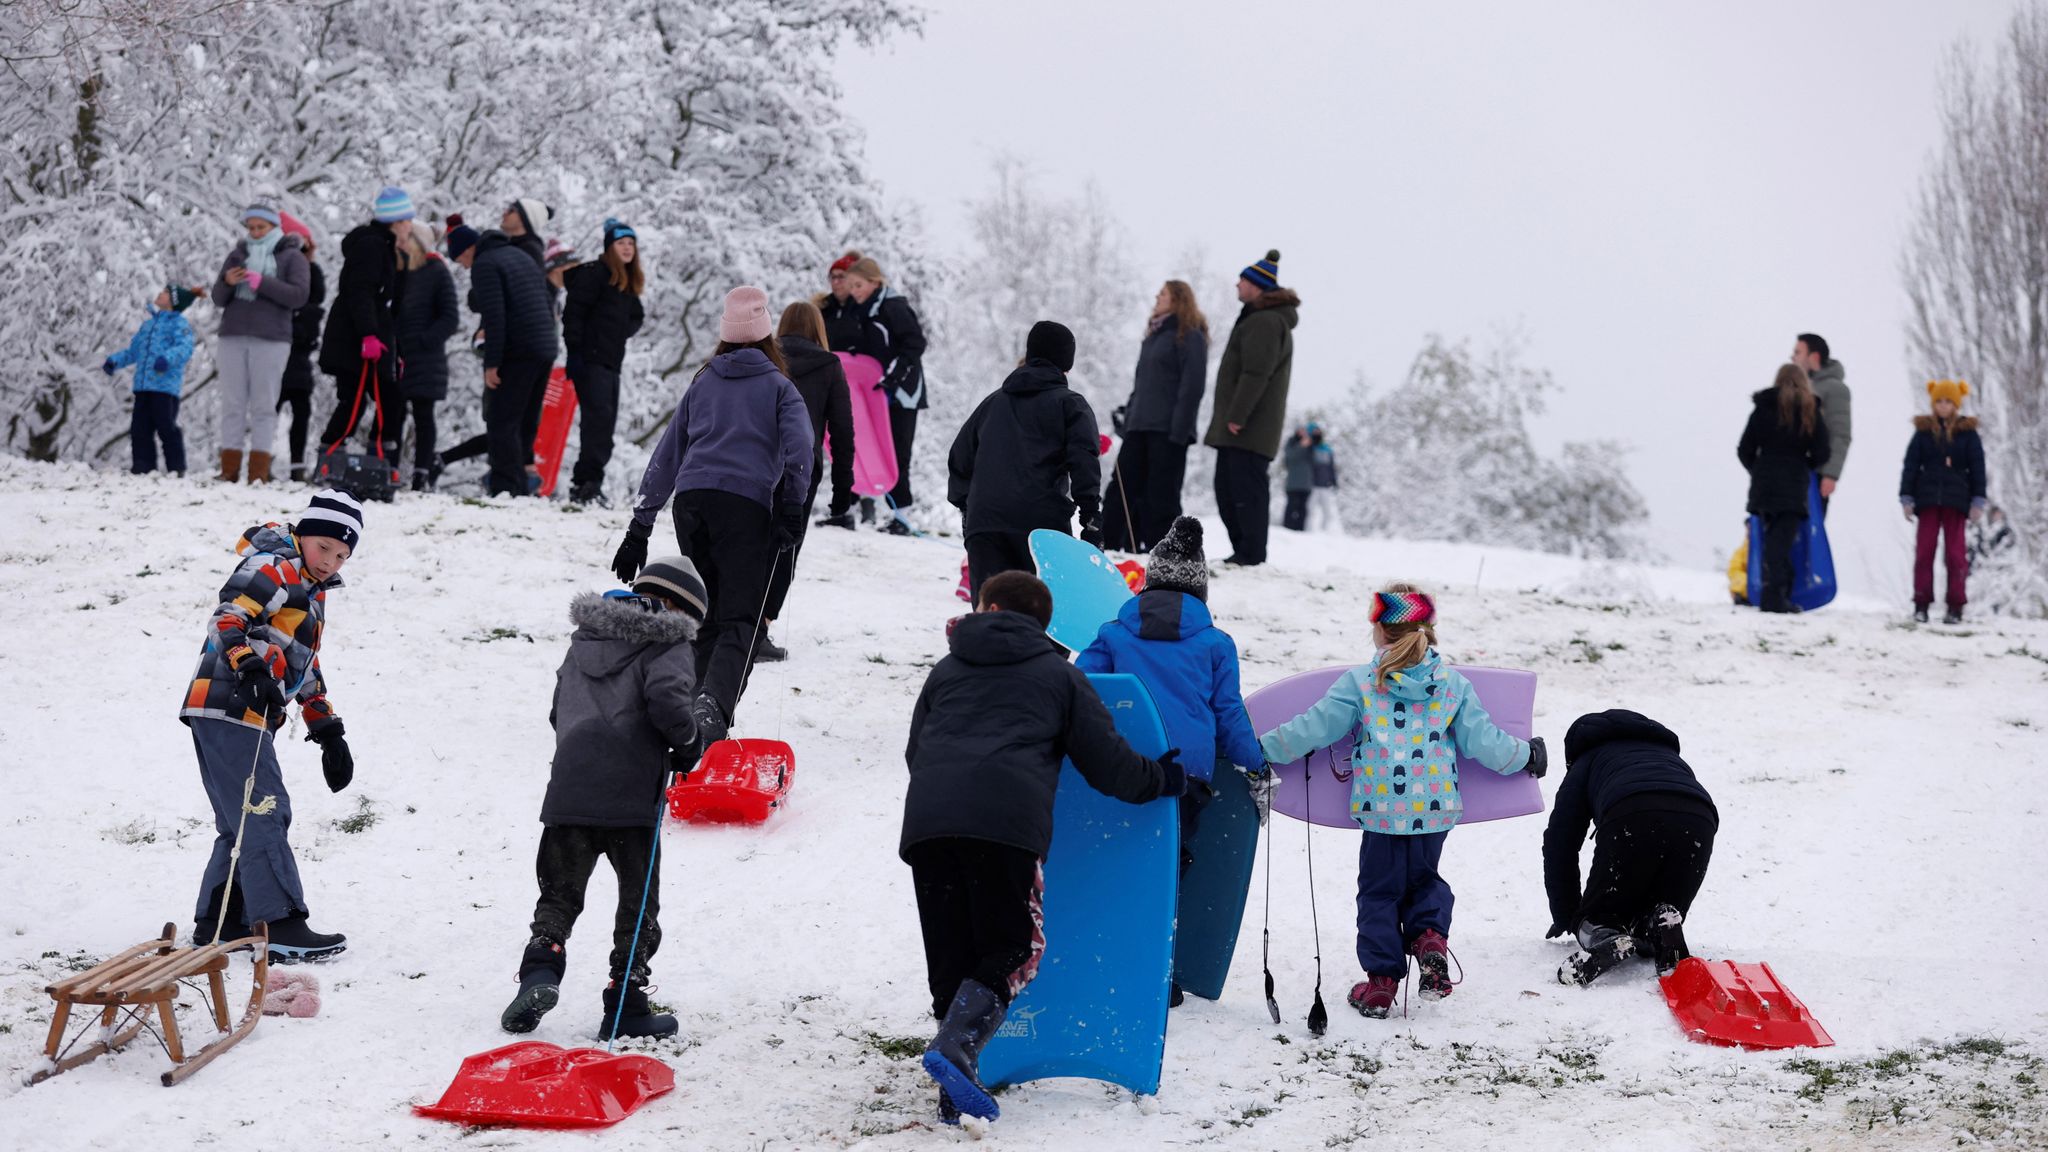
x,y
622,700
1943,472
1252,378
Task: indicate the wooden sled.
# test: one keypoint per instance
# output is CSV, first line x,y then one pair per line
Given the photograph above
x,y
144,981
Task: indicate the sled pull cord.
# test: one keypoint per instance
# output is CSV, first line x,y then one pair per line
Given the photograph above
x,y
1266,949
263,807
639,919
1318,1016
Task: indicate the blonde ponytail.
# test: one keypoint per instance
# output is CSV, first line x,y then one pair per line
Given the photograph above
x,y
1407,644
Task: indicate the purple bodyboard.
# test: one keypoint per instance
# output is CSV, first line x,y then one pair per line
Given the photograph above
x,y
1325,797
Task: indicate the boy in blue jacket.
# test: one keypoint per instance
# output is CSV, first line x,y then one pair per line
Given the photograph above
x,y
1165,637
158,351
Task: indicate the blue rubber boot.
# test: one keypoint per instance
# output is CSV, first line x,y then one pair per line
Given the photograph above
x,y
951,1060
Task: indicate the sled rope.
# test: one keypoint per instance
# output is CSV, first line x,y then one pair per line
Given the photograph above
x,y
1130,527
1266,930
262,807
754,644
639,918
1318,1016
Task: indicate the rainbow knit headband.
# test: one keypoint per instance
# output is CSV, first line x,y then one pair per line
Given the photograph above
x,y
1402,608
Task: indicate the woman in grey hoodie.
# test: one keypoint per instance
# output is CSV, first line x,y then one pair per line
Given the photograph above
x,y
262,282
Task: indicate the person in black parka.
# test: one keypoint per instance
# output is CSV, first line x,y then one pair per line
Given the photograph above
x,y
890,333
428,317
509,294
1943,486
992,726
821,380
1033,445
1158,422
296,391
1657,826
601,310
1784,441
362,327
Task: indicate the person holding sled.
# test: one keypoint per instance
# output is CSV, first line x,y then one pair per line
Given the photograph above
x,y
888,331
360,346
1784,441
994,722
1028,458
821,380
1657,824
1413,715
621,715
262,652
1943,486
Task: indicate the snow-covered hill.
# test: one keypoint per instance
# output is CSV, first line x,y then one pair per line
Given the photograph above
x,y
1881,790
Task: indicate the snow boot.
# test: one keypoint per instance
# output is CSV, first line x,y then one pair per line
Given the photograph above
x,y
711,723
420,483
1374,996
1919,613
867,509
953,1058
230,465
298,471
236,927
897,526
837,520
291,941
1664,929
259,467
767,651
1954,615
948,1114
637,1019
1433,964
1604,948
1174,996
540,986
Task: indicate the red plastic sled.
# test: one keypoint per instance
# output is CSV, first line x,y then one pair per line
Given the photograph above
x,y
966,589
1739,1005
1134,575
538,1085
557,413
737,782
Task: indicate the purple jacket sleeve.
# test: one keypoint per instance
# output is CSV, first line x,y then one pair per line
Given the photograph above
x,y
658,483
794,422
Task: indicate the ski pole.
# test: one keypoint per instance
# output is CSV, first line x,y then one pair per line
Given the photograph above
x,y
633,949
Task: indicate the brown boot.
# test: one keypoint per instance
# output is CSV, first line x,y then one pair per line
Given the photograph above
x,y
259,467
230,464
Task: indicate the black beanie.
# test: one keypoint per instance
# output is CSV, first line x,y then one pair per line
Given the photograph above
x,y
676,578
1052,342
1177,563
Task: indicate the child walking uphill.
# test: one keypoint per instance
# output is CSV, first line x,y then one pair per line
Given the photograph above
x,y
159,352
1942,486
1413,715
622,722
262,650
991,727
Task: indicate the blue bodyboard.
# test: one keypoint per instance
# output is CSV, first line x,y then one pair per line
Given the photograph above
x,y
1098,1006
1087,589
1813,562
1225,846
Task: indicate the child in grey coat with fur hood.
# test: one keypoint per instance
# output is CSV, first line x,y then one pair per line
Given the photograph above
x,y
622,723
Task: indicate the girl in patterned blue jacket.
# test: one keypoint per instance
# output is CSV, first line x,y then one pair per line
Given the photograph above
x,y
1413,715
158,351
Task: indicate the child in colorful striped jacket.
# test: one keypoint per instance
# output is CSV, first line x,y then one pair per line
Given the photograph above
x,y
1413,714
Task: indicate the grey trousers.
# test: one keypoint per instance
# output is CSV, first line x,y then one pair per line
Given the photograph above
x,y
267,876
251,372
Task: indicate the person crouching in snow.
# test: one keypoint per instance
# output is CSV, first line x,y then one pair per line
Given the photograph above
x,y
262,650
1941,486
1657,825
994,722
1165,637
1413,715
622,722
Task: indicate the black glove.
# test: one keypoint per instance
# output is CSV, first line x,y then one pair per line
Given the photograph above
x,y
682,761
1091,525
1556,930
258,685
1173,777
632,554
108,366
1539,759
335,762
789,527
572,366
1116,418
838,520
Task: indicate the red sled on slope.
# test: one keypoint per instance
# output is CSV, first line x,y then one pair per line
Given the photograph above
x,y
539,1085
1739,1006
557,414
737,782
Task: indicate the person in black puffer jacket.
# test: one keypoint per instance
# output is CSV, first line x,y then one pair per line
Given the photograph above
x,y
889,332
1784,441
990,730
1159,422
1657,825
428,317
1034,445
509,294
601,311
297,388
821,380
362,327
1943,486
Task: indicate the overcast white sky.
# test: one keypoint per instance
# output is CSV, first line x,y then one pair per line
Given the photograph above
x,y
1659,196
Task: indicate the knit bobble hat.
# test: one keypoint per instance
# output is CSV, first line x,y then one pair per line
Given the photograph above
x,y
746,319
461,237
1052,341
616,230
1265,273
534,214
392,206
1952,391
676,578
262,210
847,261
1177,563
333,513
181,296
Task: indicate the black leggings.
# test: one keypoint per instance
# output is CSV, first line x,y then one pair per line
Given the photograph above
x,y
302,415
425,431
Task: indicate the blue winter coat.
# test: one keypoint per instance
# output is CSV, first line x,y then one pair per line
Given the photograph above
x,y
1168,641
165,336
1405,772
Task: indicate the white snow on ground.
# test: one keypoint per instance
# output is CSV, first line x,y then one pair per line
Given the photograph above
x,y
1881,790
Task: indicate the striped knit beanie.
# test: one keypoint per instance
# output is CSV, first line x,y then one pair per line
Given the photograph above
x,y
1265,273
392,206
333,513
676,578
1177,563
1402,608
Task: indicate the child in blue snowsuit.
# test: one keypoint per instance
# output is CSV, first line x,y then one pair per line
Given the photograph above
x,y
1165,637
158,351
1413,714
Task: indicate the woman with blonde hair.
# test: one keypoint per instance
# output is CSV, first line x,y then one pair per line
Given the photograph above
x,y
428,317
1785,440
888,331
1158,422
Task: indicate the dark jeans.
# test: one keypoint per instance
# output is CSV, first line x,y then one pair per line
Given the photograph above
x,y
301,404
267,876
1244,497
991,552
1295,519
731,539
980,905
156,418
425,431
1935,525
379,401
1643,859
1144,491
1400,896
597,399
568,855
522,385
902,429
1781,531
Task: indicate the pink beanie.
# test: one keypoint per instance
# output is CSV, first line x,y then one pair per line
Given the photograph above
x,y
746,319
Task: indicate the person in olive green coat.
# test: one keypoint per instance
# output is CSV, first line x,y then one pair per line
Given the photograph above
x,y
1251,406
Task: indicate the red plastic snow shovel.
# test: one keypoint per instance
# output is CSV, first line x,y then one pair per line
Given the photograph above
x,y
1739,1005
737,782
539,1085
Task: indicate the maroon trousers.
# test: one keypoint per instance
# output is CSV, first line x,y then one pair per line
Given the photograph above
x,y
1946,526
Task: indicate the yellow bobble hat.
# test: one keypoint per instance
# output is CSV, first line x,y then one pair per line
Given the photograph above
x,y
1952,391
